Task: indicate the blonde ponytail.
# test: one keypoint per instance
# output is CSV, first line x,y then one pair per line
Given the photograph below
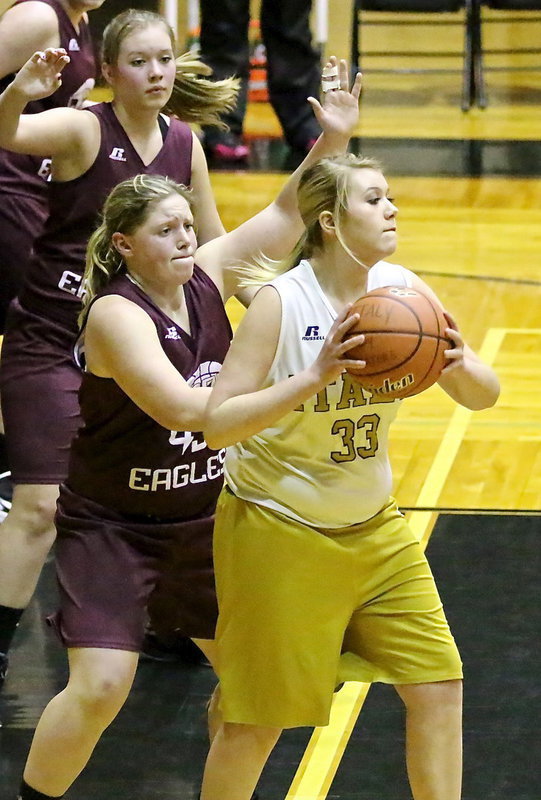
x,y
199,99
103,262
263,269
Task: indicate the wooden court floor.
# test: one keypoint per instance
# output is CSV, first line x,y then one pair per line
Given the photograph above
x,y
470,482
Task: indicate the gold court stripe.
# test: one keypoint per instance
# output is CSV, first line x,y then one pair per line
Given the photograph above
x,y
327,745
450,444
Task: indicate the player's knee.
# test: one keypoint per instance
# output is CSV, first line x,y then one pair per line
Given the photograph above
x,y
260,737
437,696
33,514
41,520
102,697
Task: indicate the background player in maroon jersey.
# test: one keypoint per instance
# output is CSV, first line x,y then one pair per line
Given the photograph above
x,y
91,151
27,26
141,478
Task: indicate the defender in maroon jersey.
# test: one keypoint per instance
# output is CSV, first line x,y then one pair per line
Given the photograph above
x,y
90,151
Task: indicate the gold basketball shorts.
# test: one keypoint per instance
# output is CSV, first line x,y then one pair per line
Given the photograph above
x,y
302,609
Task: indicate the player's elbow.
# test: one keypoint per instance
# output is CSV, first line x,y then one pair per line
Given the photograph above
x,y
178,419
215,438
217,431
486,400
484,397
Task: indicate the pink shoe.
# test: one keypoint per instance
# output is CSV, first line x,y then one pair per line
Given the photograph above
x,y
230,152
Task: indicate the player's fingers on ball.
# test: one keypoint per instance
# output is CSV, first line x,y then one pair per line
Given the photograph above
x,y
451,334
354,364
348,320
352,341
454,337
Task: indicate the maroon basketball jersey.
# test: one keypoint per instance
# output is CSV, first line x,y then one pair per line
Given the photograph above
x,y
53,286
27,175
123,459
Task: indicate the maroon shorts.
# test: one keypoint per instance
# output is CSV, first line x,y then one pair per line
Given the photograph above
x,y
110,569
39,384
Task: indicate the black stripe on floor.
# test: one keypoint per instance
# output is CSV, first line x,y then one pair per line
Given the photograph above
x,y
413,157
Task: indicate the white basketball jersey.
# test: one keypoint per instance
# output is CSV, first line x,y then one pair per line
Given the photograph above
x,y
326,463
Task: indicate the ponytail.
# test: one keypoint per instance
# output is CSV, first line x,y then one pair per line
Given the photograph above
x,y
103,262
198,99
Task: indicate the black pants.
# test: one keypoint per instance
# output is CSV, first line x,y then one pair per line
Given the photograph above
x,y
293,68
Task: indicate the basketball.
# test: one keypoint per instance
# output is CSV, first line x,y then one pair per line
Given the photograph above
x,y
404,342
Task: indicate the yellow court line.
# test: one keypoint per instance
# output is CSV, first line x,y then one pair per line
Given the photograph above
x,y
327,745
450,444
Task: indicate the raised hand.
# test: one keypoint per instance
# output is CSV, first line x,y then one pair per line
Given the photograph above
x,y
41,75
339,111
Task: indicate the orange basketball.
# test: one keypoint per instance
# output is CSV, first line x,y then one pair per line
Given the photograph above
x,y
404,341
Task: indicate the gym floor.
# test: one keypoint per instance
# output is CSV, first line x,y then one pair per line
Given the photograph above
x,y
487,568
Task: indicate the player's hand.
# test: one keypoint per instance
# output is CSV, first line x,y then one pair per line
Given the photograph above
x,y
332,359
454,355
41,75
338,113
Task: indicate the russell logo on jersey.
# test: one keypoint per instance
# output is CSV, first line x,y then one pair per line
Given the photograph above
x,y
117,154
312,334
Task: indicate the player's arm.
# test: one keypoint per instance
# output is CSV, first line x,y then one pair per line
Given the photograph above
x,y
58,132
209,224
467,379
238,406
121,343
275,230
24,29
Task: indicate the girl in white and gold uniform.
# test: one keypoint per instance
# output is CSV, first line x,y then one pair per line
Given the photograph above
x,y
319,577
